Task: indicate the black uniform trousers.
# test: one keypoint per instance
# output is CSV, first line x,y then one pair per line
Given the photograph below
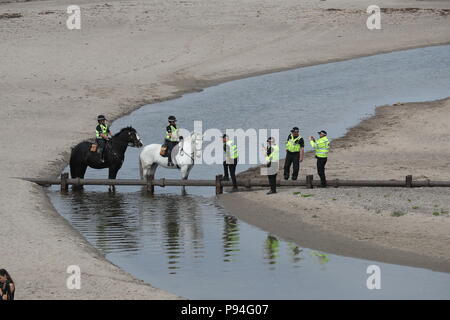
x,y
294,159
321,162
273,182
170,145
232,168
101,143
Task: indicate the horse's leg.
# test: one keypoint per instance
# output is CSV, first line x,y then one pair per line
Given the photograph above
x,y
78,172
184,175
151,176
82,172
77,169
112,175
142,170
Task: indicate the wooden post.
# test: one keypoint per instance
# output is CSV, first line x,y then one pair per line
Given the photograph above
x,y
64,185
219,187
337,183
309,180
248,184
150,185
408,181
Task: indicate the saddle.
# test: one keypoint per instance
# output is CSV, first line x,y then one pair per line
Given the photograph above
x,y
164,151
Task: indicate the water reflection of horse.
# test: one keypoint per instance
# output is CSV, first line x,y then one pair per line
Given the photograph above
x,y
114,154
183,156
109,221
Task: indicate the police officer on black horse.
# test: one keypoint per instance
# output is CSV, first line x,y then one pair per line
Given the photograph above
x,y
112,151
102,133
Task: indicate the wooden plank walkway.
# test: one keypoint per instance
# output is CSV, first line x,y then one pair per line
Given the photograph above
x,y
308,182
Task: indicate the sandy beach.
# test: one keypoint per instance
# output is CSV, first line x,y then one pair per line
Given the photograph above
x,y
55,81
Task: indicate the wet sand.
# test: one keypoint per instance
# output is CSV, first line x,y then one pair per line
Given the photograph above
x,y
54,83
394,225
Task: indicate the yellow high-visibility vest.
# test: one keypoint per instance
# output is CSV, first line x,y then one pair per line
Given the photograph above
x,y
321,146
274,154
292,145
233,149
174,136
104,129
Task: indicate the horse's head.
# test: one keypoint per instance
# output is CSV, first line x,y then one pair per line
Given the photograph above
x,y
197,143
133,138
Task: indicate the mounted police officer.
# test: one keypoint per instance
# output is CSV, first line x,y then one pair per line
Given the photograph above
x,y
321,147
103,134
230,161
172,138
295,146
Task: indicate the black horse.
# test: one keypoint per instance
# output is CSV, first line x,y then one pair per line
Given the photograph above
x,y
114,154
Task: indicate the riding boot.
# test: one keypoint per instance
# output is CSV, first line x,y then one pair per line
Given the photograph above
x,y
169,159
101,146
101,152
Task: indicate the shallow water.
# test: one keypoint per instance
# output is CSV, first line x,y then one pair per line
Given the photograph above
x,y
192,247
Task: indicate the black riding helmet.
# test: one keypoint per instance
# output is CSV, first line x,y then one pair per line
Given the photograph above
x,y
101,117
172,118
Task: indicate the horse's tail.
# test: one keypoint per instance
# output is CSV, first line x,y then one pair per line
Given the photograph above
x,y
72,165
77,164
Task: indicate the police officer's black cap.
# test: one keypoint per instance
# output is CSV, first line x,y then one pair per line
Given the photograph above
x,y
224,136
295,129
101,117
270,139
323,132
172,118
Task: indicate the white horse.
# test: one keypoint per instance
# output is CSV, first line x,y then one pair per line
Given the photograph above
x,y
183,157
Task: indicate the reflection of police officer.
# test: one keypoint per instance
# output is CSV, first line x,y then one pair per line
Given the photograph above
x,y
272,245
272,157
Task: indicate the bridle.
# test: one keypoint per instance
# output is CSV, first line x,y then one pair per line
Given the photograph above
x,y
194,149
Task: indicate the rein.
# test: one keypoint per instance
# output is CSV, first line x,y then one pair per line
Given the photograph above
x,y
192,155
120,142
183,152
114,153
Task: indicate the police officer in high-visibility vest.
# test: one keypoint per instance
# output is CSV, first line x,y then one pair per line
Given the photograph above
x,y
321,147
295,150
231,155
171,138
272,158
102,134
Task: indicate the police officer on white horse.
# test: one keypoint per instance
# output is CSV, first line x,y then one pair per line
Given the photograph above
x,y
171,138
